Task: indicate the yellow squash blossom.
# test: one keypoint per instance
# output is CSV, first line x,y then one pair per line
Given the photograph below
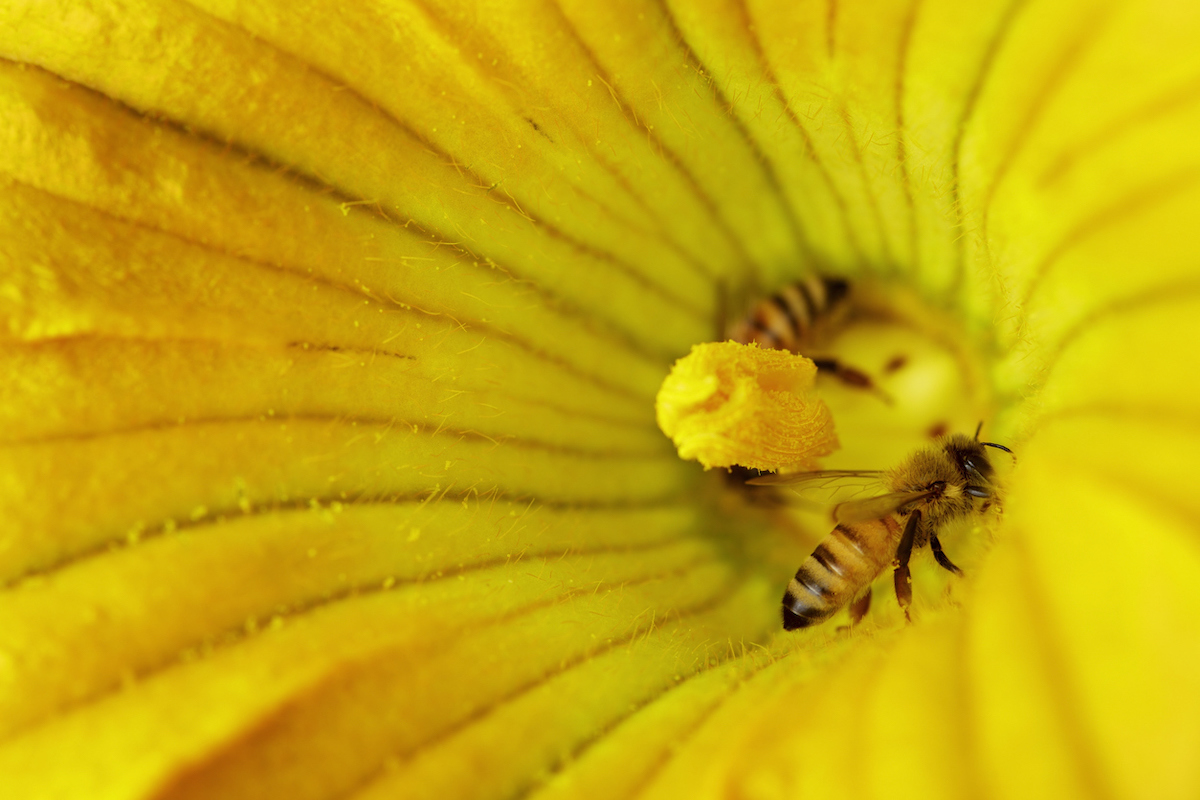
x,y
331,338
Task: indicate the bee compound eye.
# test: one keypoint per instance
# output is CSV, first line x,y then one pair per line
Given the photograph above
x,y
977,491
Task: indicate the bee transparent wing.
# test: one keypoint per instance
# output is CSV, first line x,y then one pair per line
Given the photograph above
x,y
870,508
823,477
825,489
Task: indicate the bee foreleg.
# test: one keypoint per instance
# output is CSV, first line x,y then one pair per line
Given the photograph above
x,y
902,577
941,557
860,606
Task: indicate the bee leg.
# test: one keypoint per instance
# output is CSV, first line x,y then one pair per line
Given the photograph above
x,y
902,577
859,606
941,556
851,377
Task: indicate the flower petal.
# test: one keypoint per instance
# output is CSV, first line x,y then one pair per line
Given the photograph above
x,y
332,333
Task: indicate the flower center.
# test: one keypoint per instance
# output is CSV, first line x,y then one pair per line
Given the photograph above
x,y
929,380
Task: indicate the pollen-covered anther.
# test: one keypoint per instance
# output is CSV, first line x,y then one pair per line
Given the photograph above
x,y
727,403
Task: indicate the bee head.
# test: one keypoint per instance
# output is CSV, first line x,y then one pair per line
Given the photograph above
x,y
973,464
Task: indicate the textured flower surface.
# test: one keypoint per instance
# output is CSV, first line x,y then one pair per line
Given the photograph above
x,y
331,336
726,404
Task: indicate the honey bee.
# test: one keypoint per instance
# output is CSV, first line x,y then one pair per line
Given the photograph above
x,y
785,320
792,318
948,480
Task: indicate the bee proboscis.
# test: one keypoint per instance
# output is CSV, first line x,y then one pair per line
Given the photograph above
x,y
946,481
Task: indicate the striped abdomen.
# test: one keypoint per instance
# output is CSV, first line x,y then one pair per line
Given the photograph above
x,y
782,321
844,564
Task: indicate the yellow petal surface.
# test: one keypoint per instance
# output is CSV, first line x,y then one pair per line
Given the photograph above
x,y
330,335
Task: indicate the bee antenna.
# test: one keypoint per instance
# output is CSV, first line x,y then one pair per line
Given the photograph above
x,y
1000,447
978,428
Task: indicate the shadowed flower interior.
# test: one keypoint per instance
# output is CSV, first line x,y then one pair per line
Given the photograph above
x,y
331,338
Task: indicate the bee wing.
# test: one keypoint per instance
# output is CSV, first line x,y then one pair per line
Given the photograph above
x,y
869,508
823,477
825,489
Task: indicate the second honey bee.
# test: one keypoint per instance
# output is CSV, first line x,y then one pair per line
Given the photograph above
x,y
796,317
787,319
949,480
